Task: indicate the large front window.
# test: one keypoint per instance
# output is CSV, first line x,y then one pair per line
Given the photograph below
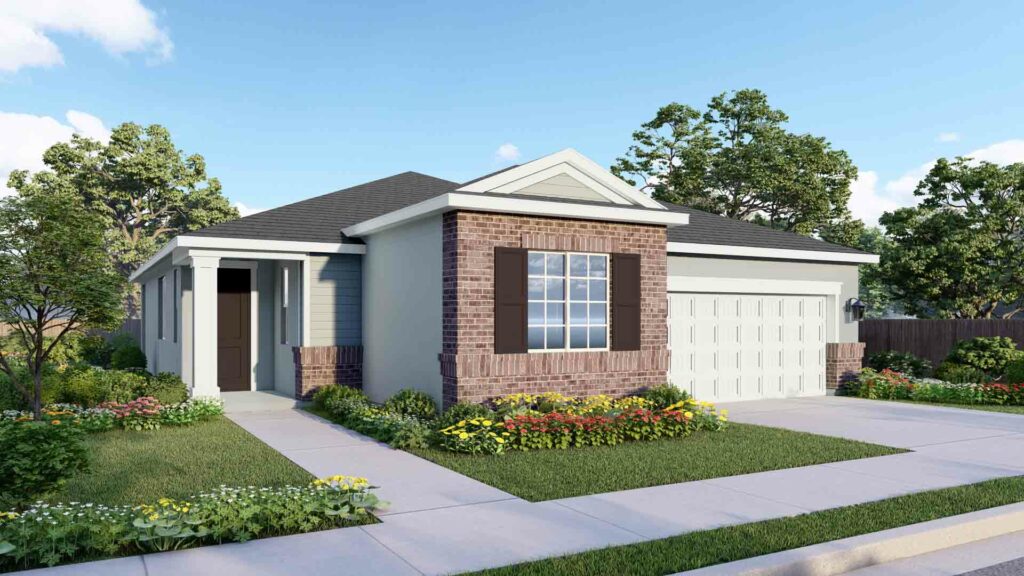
x,y
568,301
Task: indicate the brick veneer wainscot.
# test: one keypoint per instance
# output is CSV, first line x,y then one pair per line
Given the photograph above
x,y
472,372
842,358
317,366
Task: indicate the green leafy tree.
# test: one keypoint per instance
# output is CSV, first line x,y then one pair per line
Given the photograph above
x,y
874,290
56,278
145,189
960,252
737,159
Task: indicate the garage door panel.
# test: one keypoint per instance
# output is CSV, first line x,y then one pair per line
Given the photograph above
x,y
739,346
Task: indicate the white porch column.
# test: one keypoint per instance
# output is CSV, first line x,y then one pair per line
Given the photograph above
x,y
204,326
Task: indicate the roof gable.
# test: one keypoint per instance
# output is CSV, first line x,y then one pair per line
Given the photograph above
x,y
560,174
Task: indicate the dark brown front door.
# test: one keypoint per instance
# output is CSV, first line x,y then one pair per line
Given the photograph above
x,y
233,342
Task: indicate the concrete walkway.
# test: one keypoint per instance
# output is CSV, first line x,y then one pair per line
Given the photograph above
x,y
440,522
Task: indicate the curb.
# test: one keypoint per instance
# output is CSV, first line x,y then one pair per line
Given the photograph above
x,y
841,556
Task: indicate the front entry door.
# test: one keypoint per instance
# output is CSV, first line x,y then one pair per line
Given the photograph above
x,y
233,319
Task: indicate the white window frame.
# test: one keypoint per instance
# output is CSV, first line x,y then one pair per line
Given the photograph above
x,y
567,301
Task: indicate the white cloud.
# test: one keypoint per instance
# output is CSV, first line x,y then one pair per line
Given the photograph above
x,y
24,138
948,137
120,26
507,152
244,210
868,201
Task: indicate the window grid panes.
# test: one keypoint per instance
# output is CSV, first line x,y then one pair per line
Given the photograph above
x,y
567,296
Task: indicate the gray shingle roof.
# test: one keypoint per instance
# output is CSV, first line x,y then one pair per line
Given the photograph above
x,y
321,219
707,228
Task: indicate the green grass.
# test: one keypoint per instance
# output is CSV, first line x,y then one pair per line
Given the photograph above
x,y
982,407
740,449
705,548
130,467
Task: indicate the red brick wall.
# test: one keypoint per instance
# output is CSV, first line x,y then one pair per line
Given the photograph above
x,y
471,371
842,358
317,366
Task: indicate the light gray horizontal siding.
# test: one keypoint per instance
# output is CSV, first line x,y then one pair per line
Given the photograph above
x,y
336,297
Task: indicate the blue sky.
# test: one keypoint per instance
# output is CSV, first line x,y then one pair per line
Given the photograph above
x,y
290,100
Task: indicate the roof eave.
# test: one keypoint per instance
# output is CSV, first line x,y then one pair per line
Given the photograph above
x,y
480,203
687,248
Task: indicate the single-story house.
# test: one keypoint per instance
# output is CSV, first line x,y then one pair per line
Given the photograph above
x,y
550,275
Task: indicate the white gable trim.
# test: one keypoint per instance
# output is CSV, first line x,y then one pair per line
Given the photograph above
x,y
775,253
558,169
582,168
539,207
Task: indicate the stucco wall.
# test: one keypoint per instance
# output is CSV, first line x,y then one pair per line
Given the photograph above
x,y
402,310
162,354
264,292
683,266
284,364
335,294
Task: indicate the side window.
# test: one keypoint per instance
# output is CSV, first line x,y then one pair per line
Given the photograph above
x,y
175,295
160,308
284,304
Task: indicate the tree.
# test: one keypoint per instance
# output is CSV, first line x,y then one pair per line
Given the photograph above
x,y
874,291
55,276
146,190
960,252
736,159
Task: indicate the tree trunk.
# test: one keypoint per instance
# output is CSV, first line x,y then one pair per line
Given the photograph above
x,y
37,400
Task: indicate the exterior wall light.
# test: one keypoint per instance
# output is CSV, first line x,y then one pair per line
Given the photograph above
x,y
856,309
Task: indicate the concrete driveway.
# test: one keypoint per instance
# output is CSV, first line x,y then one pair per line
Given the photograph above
x,y
950,434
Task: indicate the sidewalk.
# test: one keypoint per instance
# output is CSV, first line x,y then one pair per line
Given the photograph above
x,y
441,522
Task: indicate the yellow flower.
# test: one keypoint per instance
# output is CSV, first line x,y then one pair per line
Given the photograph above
x,y
463,435
499,440
55,422
688,415
488,422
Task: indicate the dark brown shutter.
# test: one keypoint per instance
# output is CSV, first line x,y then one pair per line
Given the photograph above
x,y
509,300
625,301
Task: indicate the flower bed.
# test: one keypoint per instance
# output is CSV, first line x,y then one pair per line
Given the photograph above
x,y
145,413
526,421
890,385
523,424
45,535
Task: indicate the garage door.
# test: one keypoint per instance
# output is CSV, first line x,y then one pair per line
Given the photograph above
x,y
744,346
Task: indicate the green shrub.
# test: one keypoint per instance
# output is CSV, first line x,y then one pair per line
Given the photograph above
x,y
86,387
465,411
957,374
95,350
49,535
126,385
1014,372
127,357
38,457
989,354
409,402
903,362
167,388
664,395
10,397
339,400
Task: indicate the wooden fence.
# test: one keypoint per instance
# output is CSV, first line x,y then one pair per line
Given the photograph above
x,y
933,339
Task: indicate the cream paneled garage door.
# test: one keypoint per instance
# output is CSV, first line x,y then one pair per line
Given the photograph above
x,y
747,346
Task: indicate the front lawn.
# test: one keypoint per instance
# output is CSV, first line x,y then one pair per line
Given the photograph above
x,y
739,449
130,467
709,547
